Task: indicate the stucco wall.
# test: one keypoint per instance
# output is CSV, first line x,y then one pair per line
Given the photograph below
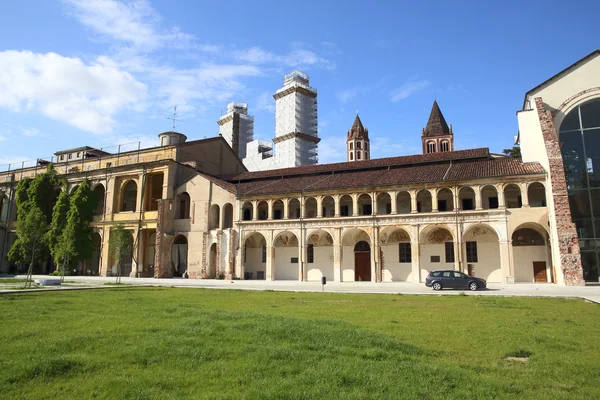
x,y
524,257
283,268
394,270
323,265
428,250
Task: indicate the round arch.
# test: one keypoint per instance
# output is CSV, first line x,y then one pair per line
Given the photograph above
x,y
286,262
129,191
531,253
179,255
481,253
356,266
436,249
254,256
396,253
319,255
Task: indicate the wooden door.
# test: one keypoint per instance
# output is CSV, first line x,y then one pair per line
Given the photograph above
x,y
539,271
362,266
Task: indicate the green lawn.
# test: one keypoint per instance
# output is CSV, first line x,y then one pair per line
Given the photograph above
x,y
167,343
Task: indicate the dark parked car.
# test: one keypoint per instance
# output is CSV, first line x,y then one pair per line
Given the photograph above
x,y
450,279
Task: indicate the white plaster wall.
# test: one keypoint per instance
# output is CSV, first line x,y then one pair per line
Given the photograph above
x,y
533,148
348,264
524,256
395,271
428,250
323,265
283,268
488,262
253,261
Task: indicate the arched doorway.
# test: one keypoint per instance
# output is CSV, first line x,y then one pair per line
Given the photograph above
x,y
179,255
397,255
362,261
319,256
350,239
212,261
436,250
254,257
530,254
481,253
93,265
286,264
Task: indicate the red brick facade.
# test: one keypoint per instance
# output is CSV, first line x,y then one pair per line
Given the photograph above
x,y
568,245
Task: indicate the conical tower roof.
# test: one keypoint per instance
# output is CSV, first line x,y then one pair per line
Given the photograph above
x,y
358,131
436,126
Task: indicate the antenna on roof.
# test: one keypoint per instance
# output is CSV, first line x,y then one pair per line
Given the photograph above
x,y
174,118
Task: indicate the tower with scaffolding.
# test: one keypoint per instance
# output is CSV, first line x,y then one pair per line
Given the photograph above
x,y
237,127
296,129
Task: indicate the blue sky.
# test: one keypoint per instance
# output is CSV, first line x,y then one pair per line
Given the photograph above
x,y
102,73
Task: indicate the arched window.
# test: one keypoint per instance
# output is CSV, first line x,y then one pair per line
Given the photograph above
x,y
366,155
351,156
527,237
215,213
184,205
227,216
431,147
99,192
351,146
358,155
366,146
445,146
129,196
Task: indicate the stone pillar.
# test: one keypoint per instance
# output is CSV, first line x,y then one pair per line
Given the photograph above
x,y
434,200
319,206
393,195
415,254
501,200
286,205
269,273
505,261
337,254
140,194
336,199
478,201
524,195
355,205
254,210
162,248
375,266
112,191
270,209
301,261
105,266
413,201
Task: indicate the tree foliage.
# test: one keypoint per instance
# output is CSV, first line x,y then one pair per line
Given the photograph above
x,y
514,152
119,246
57,227
78,233
32,239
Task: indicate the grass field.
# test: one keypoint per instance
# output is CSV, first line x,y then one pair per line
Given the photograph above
x,y
165,343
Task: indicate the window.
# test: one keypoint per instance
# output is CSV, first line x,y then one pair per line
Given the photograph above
x,y
294,260
388,208
358,145
70,156
247,216
405,254
448,274
108,164
471,251
467,204
264,254
366,155
367,210
344,211
78,154
351,146
418,206
493,202
351,156
358,155
449,252
442,205
458,275
436,273
62,157
431,147
366,146
445,146
277,214
310,254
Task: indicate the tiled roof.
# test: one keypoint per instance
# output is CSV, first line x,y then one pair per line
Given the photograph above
x,y
365,164
358,130
448,170
436,125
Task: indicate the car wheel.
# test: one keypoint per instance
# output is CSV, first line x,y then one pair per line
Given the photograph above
x,y
473,286
436,286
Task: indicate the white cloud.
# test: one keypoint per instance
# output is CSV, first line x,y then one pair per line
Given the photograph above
x,y
134,23
2,138
66,89
347,94
411,87
296,58
265,102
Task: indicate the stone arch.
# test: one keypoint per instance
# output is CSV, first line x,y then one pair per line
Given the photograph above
x,y
100,193
530,251
214,217
536,193
129,196
254,257
512,195
396,252
286,263
572,103
212,270
384,203
466,198
481,253
310,207
403,202
346,206
262,210
445,198
436,244
350,238
489,197
365,204
183,205
278,209
431,146
73,189
294,208
247,211
424,202
319,255
179,255
227,216
444,145
328,206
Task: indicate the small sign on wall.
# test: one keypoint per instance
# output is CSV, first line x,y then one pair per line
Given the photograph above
x,y
435,259
294,260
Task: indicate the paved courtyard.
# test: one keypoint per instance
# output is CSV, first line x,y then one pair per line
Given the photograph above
x,y
590,292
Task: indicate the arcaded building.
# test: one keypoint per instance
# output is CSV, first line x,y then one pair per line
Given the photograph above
x,y
195,210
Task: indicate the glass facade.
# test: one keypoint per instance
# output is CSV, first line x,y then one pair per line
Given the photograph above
x,y
579,137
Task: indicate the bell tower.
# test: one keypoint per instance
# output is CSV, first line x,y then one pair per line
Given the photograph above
x,y
358,146
437,136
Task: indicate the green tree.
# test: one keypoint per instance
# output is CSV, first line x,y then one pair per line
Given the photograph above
x,y
78,233
55,240
514,152
42,191
32,240
119,246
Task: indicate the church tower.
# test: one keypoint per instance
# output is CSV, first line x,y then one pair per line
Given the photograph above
x,y
437,136
358,145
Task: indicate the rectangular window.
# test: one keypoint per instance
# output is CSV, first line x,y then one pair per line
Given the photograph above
x,y
366,146
471,251
294,260
388,208
493,202
62,158
358,145
310,254
264,254
78,154
70,156
367,210
467,204
442,205
358,155
344,211
405,252
449,252
435,259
